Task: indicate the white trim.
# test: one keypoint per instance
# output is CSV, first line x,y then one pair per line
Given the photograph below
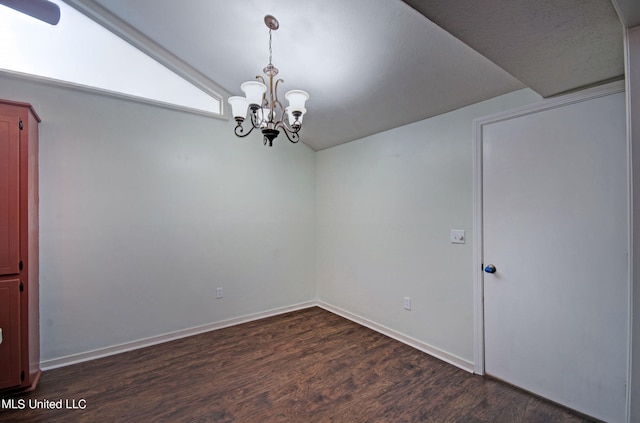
x,y
117,26
555,102
154,340
478,253
107,93
630,208
629,73
478,275
407,340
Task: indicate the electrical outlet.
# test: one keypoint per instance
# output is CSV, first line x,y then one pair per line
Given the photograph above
x,y
407,303
219,293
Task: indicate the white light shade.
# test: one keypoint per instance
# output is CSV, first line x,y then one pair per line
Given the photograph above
x,y
238,106
254,91
296,100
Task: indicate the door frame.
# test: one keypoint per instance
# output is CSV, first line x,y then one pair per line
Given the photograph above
x,y
478,250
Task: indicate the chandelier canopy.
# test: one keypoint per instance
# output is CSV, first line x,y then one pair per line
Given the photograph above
x,y
265,110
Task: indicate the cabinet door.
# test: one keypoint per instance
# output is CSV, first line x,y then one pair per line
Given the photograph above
x,y
9,194
10,333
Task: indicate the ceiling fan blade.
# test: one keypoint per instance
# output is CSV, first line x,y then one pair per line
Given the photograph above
x,y
43,10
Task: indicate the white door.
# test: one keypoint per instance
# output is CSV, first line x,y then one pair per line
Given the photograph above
x,y
555,225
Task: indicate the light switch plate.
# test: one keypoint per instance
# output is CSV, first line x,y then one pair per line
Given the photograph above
x,y
407,303
457,236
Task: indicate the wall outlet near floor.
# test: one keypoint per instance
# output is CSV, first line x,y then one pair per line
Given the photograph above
x,y
407,303
219,293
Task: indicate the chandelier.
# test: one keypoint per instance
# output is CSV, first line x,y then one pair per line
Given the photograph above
x,y
265,110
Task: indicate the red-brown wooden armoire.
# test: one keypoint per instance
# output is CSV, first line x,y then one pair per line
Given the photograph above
x,y
19,313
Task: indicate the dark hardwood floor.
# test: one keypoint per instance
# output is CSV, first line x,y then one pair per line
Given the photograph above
x,y
304,366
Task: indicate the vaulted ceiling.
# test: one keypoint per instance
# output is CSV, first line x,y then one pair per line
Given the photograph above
x,y
369,65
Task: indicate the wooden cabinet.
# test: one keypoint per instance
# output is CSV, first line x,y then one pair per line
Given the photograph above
x,y
9,332
19,308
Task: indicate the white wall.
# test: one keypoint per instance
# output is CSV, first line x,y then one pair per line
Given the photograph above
x,y
144,211
385,206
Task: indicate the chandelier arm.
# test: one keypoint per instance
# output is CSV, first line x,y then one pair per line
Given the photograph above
x,y
291,134
276,90
288,127
239,130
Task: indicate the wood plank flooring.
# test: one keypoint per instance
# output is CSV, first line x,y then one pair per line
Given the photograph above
x,y
304,366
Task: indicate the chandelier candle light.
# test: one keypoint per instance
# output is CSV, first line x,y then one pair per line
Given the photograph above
x,y
265,110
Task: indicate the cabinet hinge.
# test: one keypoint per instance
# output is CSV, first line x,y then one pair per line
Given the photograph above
x,y
21,376
20,265
21,125
21,286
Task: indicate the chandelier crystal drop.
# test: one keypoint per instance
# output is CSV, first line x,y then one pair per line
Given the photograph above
x,y
265,109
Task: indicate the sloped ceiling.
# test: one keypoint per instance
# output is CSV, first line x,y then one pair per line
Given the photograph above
x,y
552,46
372,66
629,12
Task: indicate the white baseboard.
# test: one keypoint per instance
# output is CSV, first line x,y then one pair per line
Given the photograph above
x,y
147,342
412,342
154,340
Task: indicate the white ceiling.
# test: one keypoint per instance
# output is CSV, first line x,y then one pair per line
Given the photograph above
x,y
552,46
370,65
629,12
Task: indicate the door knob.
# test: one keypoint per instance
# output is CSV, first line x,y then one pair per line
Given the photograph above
x,y
490,268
